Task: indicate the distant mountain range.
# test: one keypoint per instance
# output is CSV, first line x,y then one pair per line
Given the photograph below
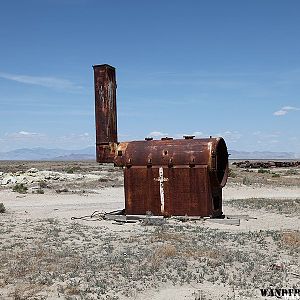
x,y
49,154
89,154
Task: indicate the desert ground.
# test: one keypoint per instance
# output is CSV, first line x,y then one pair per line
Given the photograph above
x,y
47,254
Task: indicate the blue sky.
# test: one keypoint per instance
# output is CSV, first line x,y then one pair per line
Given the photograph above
x,y
221,68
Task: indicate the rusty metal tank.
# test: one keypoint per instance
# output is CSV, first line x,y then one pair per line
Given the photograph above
x,y
165,177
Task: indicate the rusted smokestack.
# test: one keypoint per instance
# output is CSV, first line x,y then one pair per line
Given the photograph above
x,y
105,112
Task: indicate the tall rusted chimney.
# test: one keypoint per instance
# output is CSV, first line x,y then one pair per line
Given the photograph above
x,y
105,112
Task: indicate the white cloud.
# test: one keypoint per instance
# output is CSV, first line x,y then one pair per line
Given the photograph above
x,y
284,110
157,134
23,135
50,82
22,139
198,134
290,108
26,133
232,136
280,112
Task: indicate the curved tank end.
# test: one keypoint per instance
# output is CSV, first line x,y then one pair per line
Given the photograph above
x,y
221,161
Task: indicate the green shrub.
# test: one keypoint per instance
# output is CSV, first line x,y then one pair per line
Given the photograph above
x,y
71,170
292,172
20,188
246,181
2,208
42,184
38,191
261,170
232,174
275,175
64,190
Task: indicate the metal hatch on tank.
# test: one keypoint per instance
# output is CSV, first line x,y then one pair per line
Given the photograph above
x,y
181,177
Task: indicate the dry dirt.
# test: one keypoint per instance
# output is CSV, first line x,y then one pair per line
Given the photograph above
x,y
46,255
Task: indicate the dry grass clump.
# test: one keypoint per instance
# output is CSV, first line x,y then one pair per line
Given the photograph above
x,y
162,235
165,251
283,206
291,239
161,254
208,253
